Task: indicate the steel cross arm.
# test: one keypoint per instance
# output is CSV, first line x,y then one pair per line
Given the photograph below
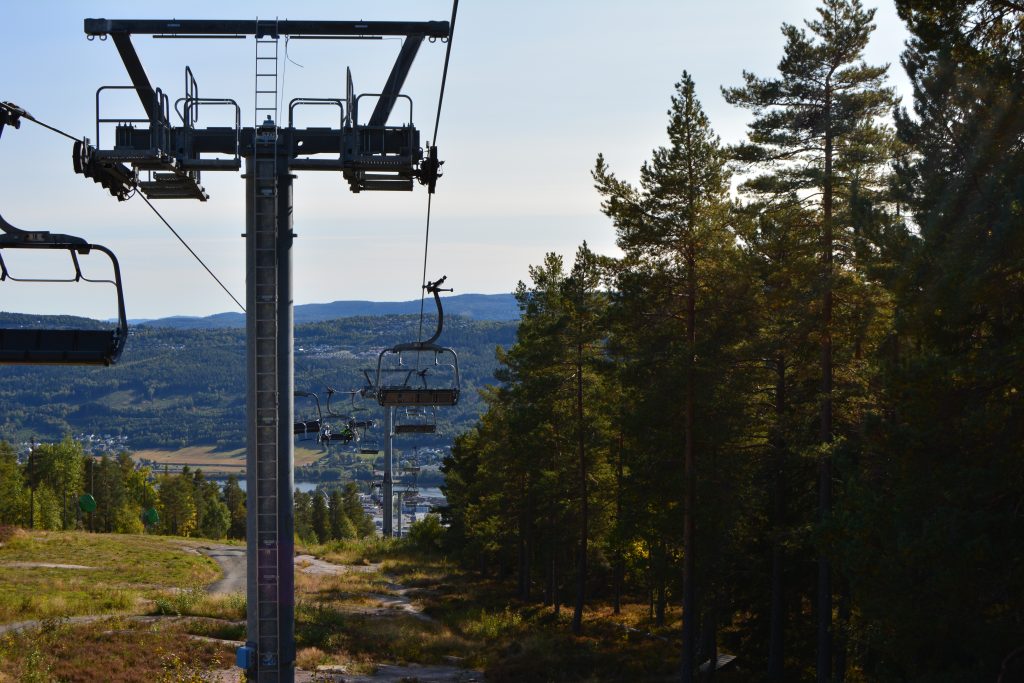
x,y
259,28
305,141
396,80
132,63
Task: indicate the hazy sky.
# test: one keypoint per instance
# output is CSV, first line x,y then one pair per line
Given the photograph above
x,y
535,91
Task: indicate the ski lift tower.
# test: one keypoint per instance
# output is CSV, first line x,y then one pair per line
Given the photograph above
x,y
164,159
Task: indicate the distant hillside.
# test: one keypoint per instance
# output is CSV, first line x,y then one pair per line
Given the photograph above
x,y
183,387
475,306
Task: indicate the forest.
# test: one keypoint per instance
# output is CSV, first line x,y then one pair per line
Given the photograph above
x,y
793,406
59,487
185,387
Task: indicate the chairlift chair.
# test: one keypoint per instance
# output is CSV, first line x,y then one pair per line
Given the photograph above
x,y
47,346
418,420
344,434
312,427
63,346
358,426
368,445
437,384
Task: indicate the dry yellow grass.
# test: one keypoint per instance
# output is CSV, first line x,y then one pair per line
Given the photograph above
x,y
216,462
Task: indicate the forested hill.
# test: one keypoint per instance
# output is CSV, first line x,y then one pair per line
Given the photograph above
x,y
475,306
177,387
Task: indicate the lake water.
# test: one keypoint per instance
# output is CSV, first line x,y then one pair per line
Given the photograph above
x,y
307,486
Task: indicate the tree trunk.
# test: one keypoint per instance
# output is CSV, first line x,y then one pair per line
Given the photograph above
x,y
549,565
581,562
824,664
620,560
523,568
555,597
661,597
842,635
777,619
689,479
709,650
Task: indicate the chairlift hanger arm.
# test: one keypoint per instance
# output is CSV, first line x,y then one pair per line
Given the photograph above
x,y
316,399
430,344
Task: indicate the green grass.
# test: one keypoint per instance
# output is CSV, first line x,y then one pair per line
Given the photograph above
x,y
338,618
128,571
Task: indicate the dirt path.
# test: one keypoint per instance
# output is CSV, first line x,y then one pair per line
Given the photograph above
x,y
398,601
231,559
35,623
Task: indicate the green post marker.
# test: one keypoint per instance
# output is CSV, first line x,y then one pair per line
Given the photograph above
x,y
86,503
150,517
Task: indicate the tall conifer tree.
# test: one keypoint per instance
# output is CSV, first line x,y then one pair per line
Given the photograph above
x,y
824,98
673,230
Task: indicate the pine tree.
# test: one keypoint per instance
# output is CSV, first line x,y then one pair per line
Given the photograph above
x,y
234,499
303,503
585,331
949,495
780,244
355,513
806,120
13,493
341,526
61,466
177,504
679,266
318,517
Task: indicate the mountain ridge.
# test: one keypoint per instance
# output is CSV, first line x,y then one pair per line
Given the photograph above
x,y
489,307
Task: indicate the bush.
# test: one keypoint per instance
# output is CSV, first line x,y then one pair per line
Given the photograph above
x,y
493,625
8,532
427,534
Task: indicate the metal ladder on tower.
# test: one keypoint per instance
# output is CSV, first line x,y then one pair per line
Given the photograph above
x,y
265,273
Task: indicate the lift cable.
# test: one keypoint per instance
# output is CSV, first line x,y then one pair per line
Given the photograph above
x,y
437,123
25,115
185,244
444,72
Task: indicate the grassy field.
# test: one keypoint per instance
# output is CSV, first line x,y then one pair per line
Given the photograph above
x,y
476,621
392,604
124,574
212,461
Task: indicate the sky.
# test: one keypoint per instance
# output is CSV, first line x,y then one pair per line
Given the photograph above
x,y
536,89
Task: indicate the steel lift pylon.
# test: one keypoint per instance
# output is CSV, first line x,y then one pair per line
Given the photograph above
x,y
164,160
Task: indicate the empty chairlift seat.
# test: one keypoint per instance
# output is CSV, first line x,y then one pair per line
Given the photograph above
x,y
429,384
417,420
309,426
64,345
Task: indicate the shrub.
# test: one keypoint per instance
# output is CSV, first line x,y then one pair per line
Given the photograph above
x,y
427,533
